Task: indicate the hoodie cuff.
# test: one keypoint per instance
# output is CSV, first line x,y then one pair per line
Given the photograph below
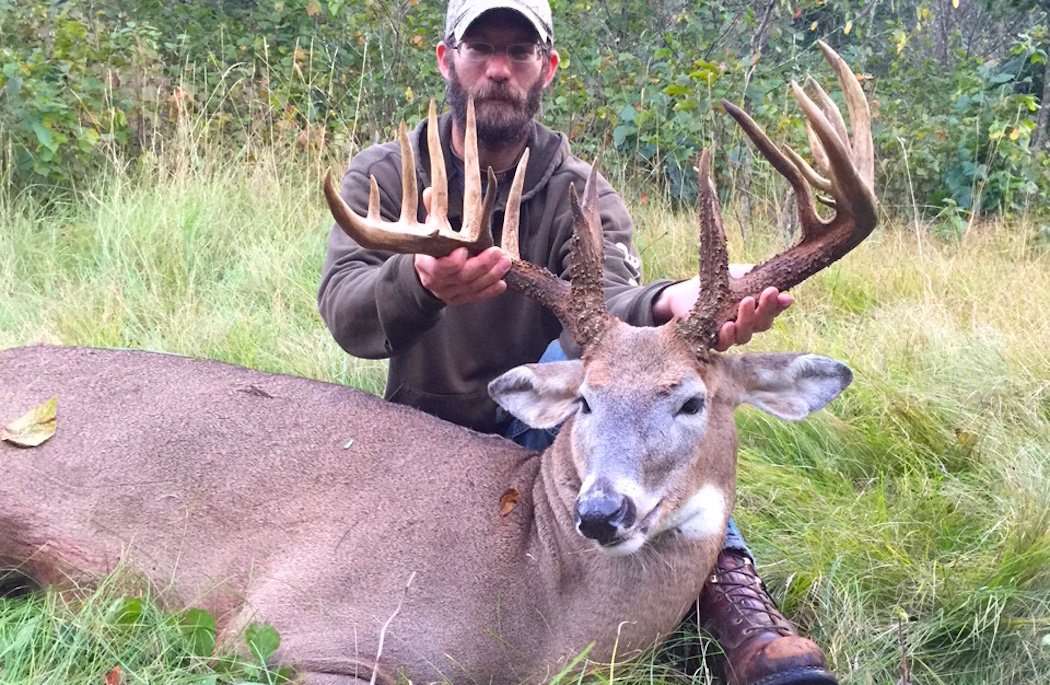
x,y
405,306
639,311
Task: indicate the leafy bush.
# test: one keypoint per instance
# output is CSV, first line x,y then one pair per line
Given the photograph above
x,y
86,84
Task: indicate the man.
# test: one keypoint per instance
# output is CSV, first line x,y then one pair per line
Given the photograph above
x,y
448,326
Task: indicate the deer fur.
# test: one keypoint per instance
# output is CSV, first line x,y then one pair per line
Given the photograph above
x,y
310,506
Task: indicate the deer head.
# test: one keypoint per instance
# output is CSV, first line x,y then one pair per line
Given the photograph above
x,y
648,437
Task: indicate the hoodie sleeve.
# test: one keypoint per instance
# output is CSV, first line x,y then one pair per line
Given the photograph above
x,y
625,295
372,300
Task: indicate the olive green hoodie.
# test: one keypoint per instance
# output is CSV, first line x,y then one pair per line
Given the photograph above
x,y
442,357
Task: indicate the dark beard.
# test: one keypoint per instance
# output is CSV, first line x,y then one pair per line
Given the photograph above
x,y
502,117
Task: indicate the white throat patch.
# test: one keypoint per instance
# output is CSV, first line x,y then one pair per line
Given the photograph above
x,y
702,516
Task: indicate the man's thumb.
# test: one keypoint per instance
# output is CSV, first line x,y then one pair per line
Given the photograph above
x,y
427,194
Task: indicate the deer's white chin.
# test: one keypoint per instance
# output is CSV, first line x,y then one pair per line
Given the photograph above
x,y
701,516
626,546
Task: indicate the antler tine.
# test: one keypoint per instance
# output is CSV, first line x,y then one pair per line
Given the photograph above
x,y
702,325
863,146
587,302
850,171
409,189
477,213
471,171
830,110
814,177
438,177
509,234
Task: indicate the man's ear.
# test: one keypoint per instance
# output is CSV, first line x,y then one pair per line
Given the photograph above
x,y
540,395
551,67
788,386
441,55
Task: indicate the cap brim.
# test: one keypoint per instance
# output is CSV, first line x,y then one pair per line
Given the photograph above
x,y
471,16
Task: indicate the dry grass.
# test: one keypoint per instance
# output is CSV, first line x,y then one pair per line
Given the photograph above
x,y
914,511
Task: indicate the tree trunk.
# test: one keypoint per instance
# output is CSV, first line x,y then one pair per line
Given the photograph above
x,y
1039,140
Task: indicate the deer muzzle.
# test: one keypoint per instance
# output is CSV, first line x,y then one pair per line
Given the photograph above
x,y
604,515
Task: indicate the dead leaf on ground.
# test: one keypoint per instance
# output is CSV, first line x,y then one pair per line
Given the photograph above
x,y
115,676
508,501
34,427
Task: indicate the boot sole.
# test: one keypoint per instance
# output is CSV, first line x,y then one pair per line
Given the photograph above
x,y
799,676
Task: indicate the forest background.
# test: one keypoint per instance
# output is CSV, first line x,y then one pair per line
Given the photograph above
x,y
955,85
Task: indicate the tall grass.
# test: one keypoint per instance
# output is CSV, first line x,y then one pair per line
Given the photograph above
x,y
906,527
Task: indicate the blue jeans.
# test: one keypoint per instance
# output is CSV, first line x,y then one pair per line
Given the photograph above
x,y
541,438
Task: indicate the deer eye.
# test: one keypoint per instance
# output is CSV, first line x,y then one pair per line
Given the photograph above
x,y
692,406
584,407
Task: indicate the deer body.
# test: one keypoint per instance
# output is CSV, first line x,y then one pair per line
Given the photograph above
x,y
236,491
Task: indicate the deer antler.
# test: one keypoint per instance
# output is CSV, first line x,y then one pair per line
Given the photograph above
x,y
580,306
845,170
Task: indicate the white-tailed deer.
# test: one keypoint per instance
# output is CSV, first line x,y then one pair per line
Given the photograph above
x,y
377,538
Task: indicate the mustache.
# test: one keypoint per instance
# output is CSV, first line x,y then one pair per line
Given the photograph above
x,y
498,94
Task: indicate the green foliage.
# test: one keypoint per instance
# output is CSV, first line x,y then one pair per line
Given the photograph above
x,y
971,152
48,638
198,629
86,84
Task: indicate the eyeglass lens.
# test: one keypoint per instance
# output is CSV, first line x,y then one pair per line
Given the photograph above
x,y
516,52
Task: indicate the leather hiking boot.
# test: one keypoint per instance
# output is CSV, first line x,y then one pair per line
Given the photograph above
x,y
761,646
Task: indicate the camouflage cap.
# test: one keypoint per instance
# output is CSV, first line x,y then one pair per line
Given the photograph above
x,y
462,13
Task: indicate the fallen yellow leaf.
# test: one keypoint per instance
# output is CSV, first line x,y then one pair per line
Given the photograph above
x,y
508,501
34,427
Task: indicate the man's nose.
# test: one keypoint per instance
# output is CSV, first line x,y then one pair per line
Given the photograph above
x,y
498,66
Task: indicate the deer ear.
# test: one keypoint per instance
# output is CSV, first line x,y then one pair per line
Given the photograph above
x,y
540,395
788,386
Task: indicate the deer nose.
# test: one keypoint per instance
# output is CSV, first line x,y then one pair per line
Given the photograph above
x,y
603,517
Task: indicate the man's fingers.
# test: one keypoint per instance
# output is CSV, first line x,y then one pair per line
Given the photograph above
x,y
726,336
770,304
427,195
466,297
745,320
451,264
485,280
424,265
482,265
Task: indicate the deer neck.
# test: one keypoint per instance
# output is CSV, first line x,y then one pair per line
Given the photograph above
x,y
554,497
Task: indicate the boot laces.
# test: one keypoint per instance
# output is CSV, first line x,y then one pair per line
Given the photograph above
x,y
747,595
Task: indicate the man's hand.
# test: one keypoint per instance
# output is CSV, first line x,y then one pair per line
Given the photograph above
x,y
751,317
459,279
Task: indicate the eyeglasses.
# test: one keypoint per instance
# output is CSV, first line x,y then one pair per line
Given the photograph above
x,y
478,51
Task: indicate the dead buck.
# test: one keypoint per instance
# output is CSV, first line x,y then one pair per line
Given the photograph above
x,y
312,506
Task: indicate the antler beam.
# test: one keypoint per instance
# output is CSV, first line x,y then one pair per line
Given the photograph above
x,y
845,169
